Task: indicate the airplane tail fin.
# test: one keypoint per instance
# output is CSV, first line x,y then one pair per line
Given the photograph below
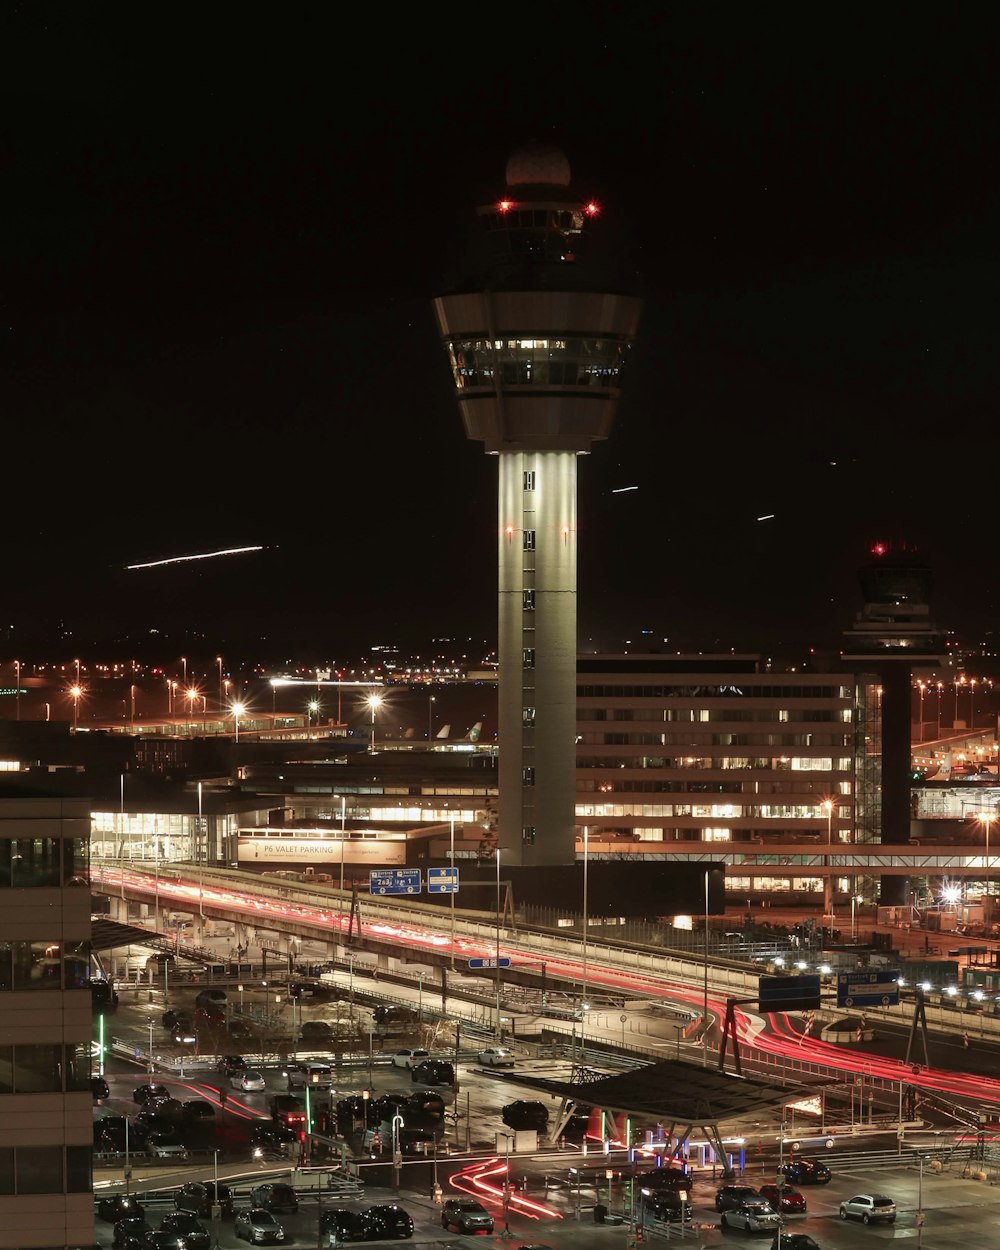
x,y
475,731
443,732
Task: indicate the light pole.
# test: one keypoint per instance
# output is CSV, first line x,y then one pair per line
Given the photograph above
x,y
430,717
76,691
986,819
704,1027
218,660
374,702
940,690
313,710
586,927
496,1027
827,806
17,688
343,838
238,710
132,704
972,702
192,694
855,898
149,1055
921,687
420,997
451,861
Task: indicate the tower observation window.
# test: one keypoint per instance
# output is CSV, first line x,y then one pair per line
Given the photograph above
x,y
528,600
529,540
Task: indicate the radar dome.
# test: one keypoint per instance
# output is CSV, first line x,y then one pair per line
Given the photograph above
x,y
538,164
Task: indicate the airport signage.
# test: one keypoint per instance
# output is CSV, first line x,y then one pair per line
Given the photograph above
x,y
788,993
868,989
442,880
394,881
502,962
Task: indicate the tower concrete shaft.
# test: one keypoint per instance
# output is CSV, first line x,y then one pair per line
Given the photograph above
x,y
536,331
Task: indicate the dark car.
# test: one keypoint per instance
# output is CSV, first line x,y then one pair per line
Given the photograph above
x,y
793,1241
433,1072
668,1204
161,1239
272,1137
341,1224
316,1031
173,1019
229,1065
99,1087
386,1221
423,1108
730,1197
662,1178
352,1111
198,1197
784,1199
149,1093
129,1233
807,1172
117,1207
275,1196
188,1228
466,1215
196,1110
526,1114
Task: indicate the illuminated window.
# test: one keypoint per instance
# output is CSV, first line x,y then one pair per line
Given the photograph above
x,y
527,716
529,540
528,600
528,657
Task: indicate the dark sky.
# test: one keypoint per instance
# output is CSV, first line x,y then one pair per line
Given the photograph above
x,y
223,226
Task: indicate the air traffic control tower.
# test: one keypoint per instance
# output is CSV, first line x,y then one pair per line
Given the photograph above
x,y
537,327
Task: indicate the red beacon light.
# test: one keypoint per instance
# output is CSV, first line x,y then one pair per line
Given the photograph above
x,y
505,206
879,549
592,208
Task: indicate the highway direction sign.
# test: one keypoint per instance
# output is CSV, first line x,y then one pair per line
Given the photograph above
x,y
868,989
442,880
394,881
502,962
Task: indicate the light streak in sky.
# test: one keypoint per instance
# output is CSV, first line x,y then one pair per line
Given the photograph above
x,y
768,517
620,490
204,555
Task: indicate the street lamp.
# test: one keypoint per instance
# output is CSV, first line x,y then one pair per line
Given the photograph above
x,y
921,686
855,898
451,861
17,687
496,1027
586,926
827,806
192,694
218,660
313,710
986,819
238,710
430,717
343,838
75,692
374,702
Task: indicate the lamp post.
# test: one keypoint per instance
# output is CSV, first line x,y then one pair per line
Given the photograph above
x,y
921,687
986,819
451,861
586,927
496,1027
374,702
218,660
827,806
972,702
855,898
132,704
192,695
17,688
238,710
343,838
75,692
940,690
430,717
312,709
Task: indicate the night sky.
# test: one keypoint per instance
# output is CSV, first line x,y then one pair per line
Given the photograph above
x,y
223,227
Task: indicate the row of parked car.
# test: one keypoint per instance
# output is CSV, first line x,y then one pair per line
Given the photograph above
x,y
256,1223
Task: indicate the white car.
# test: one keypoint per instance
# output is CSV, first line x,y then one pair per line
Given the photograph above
x,y
409,1058
249,1081
497,1057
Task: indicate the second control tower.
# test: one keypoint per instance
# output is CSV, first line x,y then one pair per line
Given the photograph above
x,y
537,329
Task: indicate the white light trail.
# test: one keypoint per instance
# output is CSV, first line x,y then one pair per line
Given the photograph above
x,y
204,555
620,490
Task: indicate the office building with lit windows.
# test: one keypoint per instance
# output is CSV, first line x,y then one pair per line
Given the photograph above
x,y
46,1107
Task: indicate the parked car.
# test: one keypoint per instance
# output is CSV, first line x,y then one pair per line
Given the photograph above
x,y
128,1233
388,1220
150,1092
729,1197
497,1057
189,1228
250,1081
807,1172
316,1031
410,1057
466,1215
199,1196
341,1224
526,1114
198,1110
786,1200
754,1216
288,1110
99,1087
311,1075
433,1072
869,1208
161,1239
793,1241
662,1178
275,1196
268,1136
165,1146
259,1227
229,1065
668,1203
117,1207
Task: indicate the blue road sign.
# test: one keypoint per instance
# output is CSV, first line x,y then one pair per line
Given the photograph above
x,y
442,880
788,993
868,989
502,962
394,881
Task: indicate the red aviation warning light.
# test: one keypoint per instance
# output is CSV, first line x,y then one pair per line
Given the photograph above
x,y
879,549
505,206
592,208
